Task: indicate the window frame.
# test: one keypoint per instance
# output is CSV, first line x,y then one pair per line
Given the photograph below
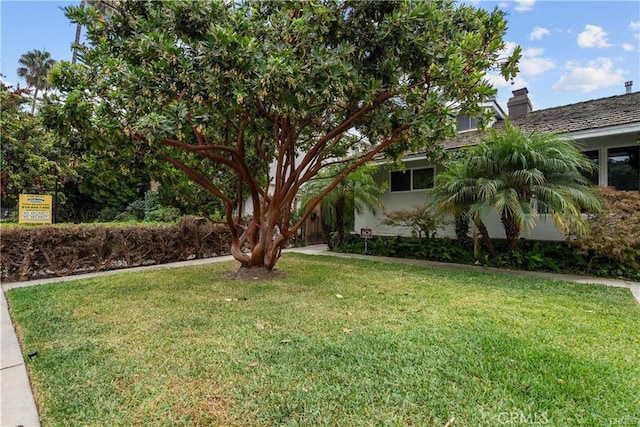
x,y
411,179
472,123
606,162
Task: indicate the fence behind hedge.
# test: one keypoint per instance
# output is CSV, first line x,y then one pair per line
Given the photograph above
x,y
48,251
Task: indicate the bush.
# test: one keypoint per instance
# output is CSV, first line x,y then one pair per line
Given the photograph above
x,y
615,233
137,208
46,251
419,220
552,256
149,209
162,214
107,214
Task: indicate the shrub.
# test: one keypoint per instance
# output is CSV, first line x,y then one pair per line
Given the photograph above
x,y
36,252
137,209
614,232
163,214
107,214
552,256
419,220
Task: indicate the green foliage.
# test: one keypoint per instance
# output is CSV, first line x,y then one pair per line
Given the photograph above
x,y
137,208
520,175
149,209
421,221
615,231
556,257
107,214
30,159
256,98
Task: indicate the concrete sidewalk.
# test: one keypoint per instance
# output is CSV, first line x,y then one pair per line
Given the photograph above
x,y
17,404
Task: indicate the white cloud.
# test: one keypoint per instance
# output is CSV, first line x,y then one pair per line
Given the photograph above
x,y
593,36
628,47
596,74
635,29
508,49
533,51
524,5
497,81
533,64
538,33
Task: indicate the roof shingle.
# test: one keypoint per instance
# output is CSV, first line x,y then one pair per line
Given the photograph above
x,y
594,114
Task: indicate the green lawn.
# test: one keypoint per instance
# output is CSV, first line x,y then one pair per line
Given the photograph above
x,y
336,342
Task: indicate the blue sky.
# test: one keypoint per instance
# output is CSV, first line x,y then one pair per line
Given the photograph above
x,y
573,50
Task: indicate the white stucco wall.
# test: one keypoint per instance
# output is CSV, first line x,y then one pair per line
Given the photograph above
x,y
545,229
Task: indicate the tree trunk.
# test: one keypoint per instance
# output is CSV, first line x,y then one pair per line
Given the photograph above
x,y
76,40
511,229
260,243
486,240
33,102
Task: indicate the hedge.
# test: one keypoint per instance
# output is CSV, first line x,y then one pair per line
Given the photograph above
x,y
49,251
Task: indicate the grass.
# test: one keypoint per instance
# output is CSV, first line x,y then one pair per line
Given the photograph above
x,y
336,342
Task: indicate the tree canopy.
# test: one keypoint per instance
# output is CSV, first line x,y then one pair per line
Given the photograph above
x,y
273,92
30,160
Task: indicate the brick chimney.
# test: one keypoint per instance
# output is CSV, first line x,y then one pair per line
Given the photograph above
x,y
628,86
519,104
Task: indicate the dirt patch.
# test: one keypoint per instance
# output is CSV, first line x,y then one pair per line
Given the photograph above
x,y
255,274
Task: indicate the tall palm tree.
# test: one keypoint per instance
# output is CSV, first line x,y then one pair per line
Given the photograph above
x,y
519,176
76,40
358,191
103,9
35,67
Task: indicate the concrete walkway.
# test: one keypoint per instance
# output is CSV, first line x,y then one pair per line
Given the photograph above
x,y
17,404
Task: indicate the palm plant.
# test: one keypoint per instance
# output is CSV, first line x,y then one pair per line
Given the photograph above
x,y
104,11
454,192
35,67
520,176
76,40
358,191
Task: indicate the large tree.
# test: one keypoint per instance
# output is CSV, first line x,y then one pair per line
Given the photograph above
x,y
273,92
520,175
34,68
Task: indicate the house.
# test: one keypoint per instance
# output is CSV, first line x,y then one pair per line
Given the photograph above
x,y
608,128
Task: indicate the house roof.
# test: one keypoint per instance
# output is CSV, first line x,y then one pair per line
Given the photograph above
x,y
588,115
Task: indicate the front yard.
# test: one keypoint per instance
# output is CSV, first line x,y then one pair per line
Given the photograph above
x,y
335,342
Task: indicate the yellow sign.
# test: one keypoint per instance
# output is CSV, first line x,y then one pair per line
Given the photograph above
x,y
35,209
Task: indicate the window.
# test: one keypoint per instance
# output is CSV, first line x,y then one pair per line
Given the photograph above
x,y
593,175
623,168
412,179
467,123
401,180
422,178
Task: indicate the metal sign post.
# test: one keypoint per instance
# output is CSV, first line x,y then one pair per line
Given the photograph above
x,y
366,234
